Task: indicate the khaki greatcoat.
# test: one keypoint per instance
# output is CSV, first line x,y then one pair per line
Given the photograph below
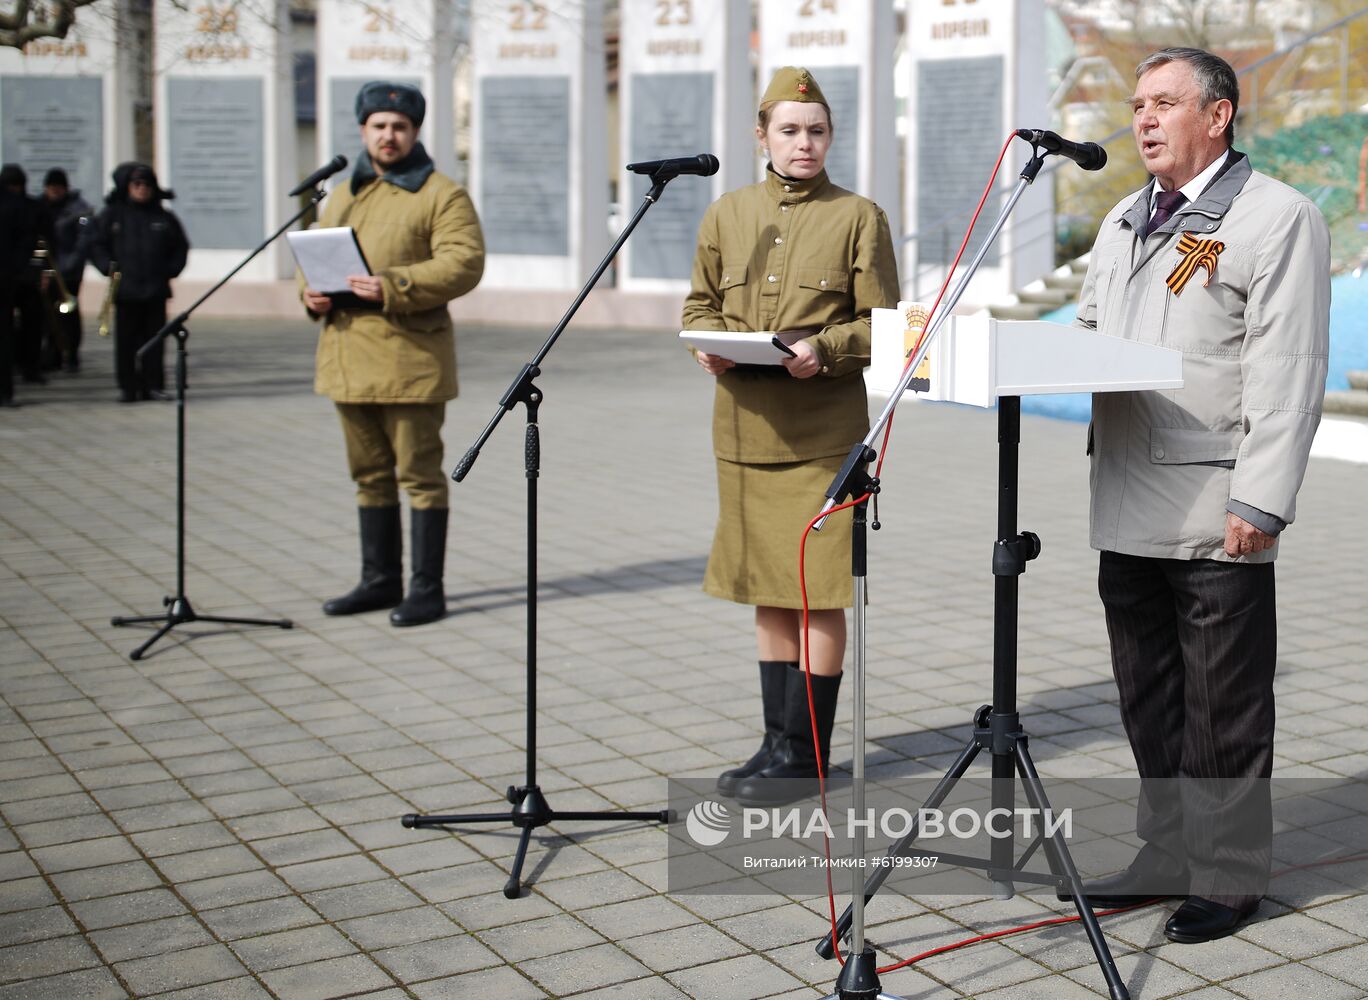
x,y
427,248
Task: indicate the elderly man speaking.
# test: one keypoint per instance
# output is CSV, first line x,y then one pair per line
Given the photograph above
x,y
1191,489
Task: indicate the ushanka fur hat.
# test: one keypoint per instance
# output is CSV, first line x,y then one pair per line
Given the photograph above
x,y
381,95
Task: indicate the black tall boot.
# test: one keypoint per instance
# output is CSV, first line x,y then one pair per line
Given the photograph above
x,y
426,600
775,676
791,773
382,565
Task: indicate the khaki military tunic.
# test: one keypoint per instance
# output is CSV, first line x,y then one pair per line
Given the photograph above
x,y
390,371
427,248
786,255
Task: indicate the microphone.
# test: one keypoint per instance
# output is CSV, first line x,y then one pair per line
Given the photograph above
x,y
1088,155
704,165
337,163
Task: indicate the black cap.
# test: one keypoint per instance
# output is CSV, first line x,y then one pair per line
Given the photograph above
x,y
12,175
56,176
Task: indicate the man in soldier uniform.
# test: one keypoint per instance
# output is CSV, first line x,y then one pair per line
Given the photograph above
x,y
386,356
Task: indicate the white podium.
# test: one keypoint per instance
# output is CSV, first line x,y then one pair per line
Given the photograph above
x,y
979,361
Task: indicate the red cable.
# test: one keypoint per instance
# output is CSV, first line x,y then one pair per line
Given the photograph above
x,y
1053,921
888,428
1007,932
802,553
807,671
812,714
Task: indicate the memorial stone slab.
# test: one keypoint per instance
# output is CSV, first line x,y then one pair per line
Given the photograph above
x,y
225,131
64,103
686,89
538,153
54,121
212,132
977,73
403,41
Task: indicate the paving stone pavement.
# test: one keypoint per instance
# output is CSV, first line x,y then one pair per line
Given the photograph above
x,y
220,819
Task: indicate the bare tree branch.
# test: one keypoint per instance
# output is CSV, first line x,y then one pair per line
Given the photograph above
x,y
25,21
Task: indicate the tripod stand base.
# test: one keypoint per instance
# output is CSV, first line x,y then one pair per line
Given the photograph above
x,y
530,811
180,612
859,979
1002,736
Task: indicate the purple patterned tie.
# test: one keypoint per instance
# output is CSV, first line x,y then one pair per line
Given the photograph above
x,y
1168,202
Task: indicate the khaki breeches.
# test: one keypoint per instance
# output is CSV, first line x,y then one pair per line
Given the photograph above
x,y
390,445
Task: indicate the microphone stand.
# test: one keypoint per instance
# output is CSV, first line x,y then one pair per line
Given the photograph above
x,y
997,727
530,808
179,610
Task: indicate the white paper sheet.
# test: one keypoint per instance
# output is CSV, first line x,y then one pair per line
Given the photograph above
x,y
327,257
743,348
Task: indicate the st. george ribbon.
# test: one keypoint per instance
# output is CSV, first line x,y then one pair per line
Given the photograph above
x,y
320,175
703,165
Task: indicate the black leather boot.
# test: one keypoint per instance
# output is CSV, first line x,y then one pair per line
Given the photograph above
x,y
382,567
426,600
791,773
775,677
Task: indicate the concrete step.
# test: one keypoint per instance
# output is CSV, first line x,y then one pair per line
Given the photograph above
x,y
1051,298
1020,310
1073,284
1351,403
1358,380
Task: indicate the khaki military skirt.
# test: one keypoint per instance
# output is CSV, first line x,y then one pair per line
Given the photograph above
x,y
762,512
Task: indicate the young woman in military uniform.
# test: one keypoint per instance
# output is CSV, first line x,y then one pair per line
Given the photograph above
x,y
794,253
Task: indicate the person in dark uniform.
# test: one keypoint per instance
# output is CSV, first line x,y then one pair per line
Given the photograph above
x,y
794,253
18,237
26,277
72,223
145,244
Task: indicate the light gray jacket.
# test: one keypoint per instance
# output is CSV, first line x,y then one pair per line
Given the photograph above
x,y
1167,465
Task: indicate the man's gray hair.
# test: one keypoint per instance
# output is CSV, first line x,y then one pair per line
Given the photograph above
x,y
1215,78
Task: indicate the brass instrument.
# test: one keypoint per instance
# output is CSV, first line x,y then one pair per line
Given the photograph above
x,y
107,307
53,309
42,257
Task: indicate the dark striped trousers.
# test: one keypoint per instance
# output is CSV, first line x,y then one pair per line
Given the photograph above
x,y
1194,648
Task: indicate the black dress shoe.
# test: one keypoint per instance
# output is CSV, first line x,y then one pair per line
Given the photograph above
x,y
1200,920
1127,888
